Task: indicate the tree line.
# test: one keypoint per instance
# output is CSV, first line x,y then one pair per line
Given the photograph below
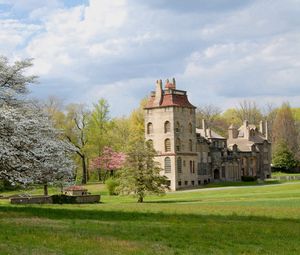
x,y
49,142
283,127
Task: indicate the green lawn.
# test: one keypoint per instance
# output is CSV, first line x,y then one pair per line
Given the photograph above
x,y
275,174
238,220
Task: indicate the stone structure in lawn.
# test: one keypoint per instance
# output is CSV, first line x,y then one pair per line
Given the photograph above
x,y
191,156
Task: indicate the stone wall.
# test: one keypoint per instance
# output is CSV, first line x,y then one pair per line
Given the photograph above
x,y
48,199
32,200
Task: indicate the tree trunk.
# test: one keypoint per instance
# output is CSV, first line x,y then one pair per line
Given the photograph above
x,y
46,189
141,199
84,170
99,175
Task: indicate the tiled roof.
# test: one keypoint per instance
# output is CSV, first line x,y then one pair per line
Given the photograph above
x,y
170,100
72,188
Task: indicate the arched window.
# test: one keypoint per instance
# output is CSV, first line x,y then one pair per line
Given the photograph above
x,y
179,165
167,165
178,144
177,128
167,127
191,145
190,128
149,128
150,143
167,145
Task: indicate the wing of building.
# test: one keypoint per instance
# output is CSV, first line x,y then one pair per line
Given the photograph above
x,y
191,156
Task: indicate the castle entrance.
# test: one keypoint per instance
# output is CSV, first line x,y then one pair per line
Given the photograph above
x,y
216,174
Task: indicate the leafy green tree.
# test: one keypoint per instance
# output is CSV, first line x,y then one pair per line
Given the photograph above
x,y
137,123
283,157
99,124
284,129
141,174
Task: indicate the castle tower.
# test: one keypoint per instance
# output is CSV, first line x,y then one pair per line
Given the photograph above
x,y
170,124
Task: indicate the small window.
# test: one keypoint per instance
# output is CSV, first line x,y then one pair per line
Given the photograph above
x,y
167,145
190,128
184,163
178,144
186,183
193,183
167,165
199,182
167,127
149,128
177,128
191,166
179,183
191,145
179,165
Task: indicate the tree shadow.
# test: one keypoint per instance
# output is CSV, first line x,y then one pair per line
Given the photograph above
x,y
101,215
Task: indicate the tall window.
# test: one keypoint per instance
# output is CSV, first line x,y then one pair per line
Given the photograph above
x,y
179,165
178,144
167,145
190,128
167,127
167,165
149,128
191,145
191,166
177,128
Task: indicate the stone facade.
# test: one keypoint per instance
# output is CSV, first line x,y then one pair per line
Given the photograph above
x,y
190,156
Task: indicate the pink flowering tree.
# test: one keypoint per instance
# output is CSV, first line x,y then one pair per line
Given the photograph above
x,y
109,162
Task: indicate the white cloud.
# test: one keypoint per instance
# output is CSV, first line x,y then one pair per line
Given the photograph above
x,y
118,49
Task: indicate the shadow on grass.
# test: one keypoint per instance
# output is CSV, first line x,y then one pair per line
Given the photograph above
x,y
82,214
172,201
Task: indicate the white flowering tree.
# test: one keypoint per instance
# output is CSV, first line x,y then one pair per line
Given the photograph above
x,y
31,149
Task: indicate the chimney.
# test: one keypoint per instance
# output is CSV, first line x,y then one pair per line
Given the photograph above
x,y
204,127
232,132
266,130
262,127
174,83
158,93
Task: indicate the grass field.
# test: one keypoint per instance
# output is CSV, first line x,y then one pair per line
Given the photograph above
x,y
237,220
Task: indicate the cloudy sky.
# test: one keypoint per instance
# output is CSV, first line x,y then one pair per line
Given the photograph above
x,y
220,51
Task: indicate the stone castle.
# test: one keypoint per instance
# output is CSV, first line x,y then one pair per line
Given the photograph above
x,y
191,156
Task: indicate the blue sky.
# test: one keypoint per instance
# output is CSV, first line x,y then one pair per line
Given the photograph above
x,y
221,52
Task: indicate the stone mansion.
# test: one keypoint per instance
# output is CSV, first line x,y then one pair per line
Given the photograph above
x,y
191,156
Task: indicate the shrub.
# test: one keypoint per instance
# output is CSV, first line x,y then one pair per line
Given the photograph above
x,y
111,185
63,199
249,178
